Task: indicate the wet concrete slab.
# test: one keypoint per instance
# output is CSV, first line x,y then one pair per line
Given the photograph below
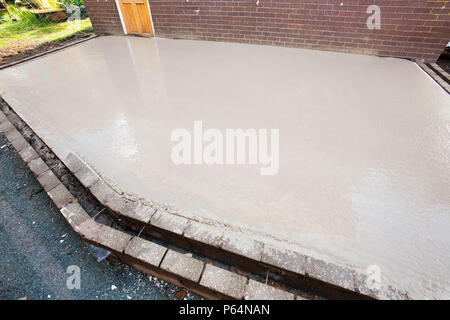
x,y
364,143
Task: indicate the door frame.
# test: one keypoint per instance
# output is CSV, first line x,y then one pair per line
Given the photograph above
x,y
123,23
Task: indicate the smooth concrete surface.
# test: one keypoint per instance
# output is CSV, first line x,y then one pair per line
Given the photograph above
x,y
364,143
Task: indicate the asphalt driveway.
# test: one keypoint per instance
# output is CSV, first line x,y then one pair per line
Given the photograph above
x,y
37,246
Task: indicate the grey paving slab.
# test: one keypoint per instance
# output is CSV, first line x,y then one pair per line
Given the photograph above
x,y
12,134
48,180
182,265
27,154
5,126
61,196
20,144
228,283
75,215
113,239
38,166
146,251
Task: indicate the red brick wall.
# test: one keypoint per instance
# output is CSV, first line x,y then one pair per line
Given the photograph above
x,y
409,28
104,16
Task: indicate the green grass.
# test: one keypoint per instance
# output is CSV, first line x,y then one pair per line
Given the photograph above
x,y
30,29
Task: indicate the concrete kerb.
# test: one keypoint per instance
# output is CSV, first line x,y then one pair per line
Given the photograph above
x,y
5,126
214,244
247,254
144,255
19,144
224,282
12,135
257,291
3,118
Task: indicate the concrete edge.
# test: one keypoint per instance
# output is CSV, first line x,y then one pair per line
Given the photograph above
x,y
435,76
248,254
146,256
47,52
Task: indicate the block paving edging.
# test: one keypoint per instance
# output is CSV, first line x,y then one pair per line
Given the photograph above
x,y
282,261
247,253
181,269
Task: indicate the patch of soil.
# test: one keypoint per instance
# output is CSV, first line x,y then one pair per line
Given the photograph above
x,y
23,49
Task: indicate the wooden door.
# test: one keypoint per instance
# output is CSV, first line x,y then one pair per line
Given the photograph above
x,y
136,17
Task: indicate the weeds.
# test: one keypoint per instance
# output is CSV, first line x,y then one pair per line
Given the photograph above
x,y
22,30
